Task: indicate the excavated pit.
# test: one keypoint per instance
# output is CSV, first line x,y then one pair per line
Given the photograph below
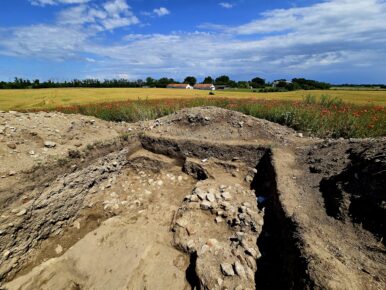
x,y
202,199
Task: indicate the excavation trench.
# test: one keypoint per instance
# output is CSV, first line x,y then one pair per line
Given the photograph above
x,y
280,265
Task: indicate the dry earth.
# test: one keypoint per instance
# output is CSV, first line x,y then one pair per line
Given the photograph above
x,y
202,199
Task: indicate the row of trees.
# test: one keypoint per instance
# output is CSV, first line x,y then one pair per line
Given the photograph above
x,y
20,83
226,81
301,84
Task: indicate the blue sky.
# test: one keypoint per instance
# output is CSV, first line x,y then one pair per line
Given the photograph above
x,y
332,40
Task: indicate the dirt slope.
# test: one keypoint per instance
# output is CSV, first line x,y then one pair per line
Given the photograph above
x,y
202,199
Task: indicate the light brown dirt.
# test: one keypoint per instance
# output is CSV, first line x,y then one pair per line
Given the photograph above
x,y
202,199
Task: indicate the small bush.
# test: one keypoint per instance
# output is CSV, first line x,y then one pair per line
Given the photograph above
x,y
328,102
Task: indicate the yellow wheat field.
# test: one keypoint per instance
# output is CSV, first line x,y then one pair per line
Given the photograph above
x,y
50,98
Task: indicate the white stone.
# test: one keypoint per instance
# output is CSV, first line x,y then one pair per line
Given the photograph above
x,y
49,144
202,195
227,269
194,198
148,192
240,269
77,225
210,197
58,249
22,212
205,205
226,195
219,220
6,254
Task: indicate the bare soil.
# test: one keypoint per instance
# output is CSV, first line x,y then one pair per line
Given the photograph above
x,y
205,198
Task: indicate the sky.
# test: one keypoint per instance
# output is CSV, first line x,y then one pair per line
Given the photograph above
x,y
338,41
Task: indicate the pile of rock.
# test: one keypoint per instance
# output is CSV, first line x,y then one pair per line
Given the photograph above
x,y
220,224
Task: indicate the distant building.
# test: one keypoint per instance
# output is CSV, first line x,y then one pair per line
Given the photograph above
x,y
208,87
180,86
222,87
275,83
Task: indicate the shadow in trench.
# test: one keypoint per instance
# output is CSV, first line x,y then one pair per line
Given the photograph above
x,y
281,265
191,275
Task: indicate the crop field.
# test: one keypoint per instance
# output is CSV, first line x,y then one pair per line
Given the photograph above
x,y
334,113
51,98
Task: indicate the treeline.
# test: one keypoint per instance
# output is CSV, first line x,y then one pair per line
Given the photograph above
x,y
19,83
224,82
301,84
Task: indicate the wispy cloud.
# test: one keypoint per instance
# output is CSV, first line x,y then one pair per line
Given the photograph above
x,y
226,5
56,2
162,11
43,41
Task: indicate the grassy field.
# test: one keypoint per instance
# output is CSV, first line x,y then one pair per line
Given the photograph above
x,y
324,117
51,98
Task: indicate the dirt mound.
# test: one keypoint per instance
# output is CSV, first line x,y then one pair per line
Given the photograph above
x,y
205,198
216,124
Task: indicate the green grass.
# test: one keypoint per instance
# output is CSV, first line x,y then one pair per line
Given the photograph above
x,y
51,98
323,116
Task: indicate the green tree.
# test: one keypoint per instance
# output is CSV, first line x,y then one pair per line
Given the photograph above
x,y
150,82
222,80
163,82
257,82
190,80
243,85
208,80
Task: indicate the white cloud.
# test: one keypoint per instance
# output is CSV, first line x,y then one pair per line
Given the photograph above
x,y
226,5
111,15
162,11
43,41
329,17
330,36
55,2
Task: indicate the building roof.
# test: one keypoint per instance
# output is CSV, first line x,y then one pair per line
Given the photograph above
x,y
178,85
203,86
